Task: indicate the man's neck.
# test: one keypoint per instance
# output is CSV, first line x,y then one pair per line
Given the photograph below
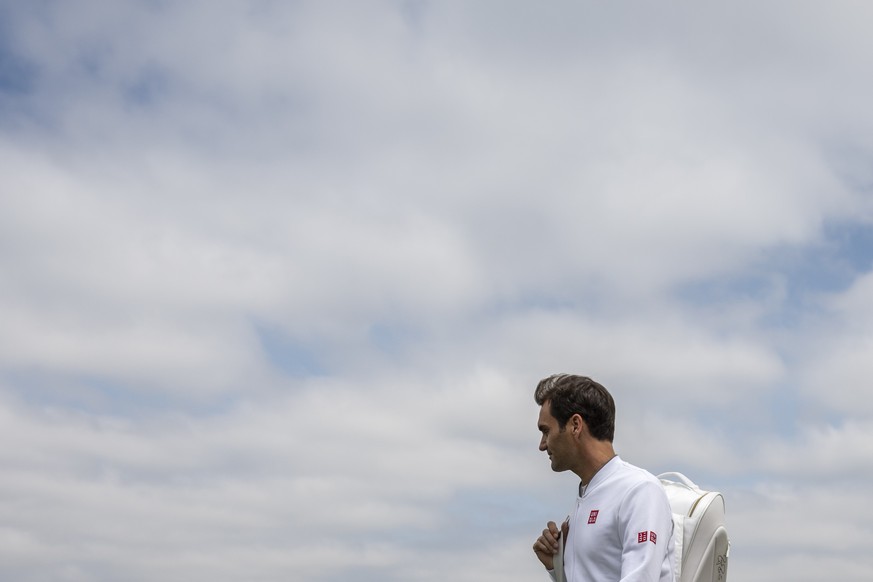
x,y
599,453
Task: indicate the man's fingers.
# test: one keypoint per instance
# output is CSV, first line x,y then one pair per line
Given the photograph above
x,y
545,552
547,546
550,539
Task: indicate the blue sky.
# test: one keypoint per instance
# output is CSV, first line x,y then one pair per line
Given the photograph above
x,y
277,279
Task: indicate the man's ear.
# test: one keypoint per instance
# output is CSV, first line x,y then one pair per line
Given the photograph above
x,y
578,424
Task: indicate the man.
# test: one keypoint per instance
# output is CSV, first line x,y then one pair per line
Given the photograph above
x,y
620,527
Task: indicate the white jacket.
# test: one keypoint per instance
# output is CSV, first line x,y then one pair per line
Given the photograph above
x,y
620,528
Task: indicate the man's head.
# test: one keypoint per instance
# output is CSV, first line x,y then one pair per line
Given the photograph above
x,y
568,394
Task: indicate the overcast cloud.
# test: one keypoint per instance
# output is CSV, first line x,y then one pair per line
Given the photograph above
x,y
277,279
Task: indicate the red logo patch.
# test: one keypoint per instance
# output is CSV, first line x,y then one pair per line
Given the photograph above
x,y
653,537
592,517
643,536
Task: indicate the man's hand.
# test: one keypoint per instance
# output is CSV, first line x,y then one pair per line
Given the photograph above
x,y
546,545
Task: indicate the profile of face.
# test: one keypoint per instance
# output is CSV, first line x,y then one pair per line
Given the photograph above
x,y
555,441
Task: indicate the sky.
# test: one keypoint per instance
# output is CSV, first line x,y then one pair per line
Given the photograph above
x,y
278,279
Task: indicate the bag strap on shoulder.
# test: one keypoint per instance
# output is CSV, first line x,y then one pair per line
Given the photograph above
x,y
679,478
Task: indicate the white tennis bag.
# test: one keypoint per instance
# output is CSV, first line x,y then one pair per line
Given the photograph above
x,y
699,535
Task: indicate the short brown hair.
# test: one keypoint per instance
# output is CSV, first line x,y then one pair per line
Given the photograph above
x,y
569,394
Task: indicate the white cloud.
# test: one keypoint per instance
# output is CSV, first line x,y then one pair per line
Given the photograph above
x,y
783,529
834,375
822,453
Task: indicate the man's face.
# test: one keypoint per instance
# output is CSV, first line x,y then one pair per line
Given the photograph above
x,y
554,441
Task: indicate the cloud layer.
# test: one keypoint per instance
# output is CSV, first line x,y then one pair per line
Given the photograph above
x,y
278,279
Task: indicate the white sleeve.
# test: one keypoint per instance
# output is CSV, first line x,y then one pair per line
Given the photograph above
x,y
645,527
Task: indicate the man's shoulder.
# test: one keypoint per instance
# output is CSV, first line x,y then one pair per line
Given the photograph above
x,y
632,474
619,479
631,481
